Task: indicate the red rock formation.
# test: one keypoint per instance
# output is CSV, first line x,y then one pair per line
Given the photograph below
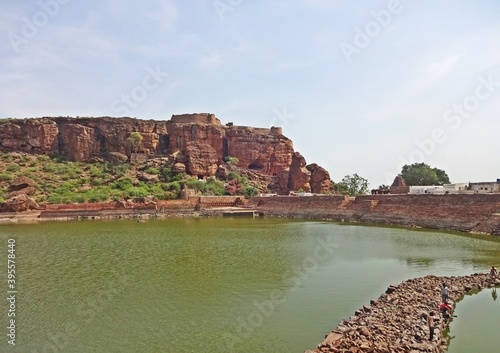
x,y
29,135
18,203
263,150
201,159
199,141
299,176
320,179
79,142
21,185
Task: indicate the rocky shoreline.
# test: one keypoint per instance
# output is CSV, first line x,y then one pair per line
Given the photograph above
x,y
397,320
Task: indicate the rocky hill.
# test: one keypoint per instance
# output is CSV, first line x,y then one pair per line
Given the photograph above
x,y
195,143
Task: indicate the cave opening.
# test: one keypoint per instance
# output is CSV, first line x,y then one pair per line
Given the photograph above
x,y
256,165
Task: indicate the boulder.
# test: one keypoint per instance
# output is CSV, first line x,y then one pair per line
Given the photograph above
x,y
148,178
117,157
222,172
179,168
18,203
320,179
21,182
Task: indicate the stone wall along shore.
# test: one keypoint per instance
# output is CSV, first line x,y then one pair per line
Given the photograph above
x,y
477,213
396,322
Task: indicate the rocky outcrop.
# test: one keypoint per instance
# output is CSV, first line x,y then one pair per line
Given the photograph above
x,y
79,142
263,150
201,159
320,179
30,135
22,185
18,203
299,176
117,157
397,320
199,141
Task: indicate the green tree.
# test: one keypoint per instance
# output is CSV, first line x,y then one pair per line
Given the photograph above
x,y
423,174
135,140
353,185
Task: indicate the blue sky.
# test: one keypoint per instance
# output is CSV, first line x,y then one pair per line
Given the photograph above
x,y
359,86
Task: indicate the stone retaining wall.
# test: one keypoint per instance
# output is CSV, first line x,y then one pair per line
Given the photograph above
x,y
397,321
479,213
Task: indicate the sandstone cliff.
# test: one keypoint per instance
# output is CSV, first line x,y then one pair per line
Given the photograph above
x,y
198,142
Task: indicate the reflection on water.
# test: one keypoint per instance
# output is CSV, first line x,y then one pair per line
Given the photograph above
x,y
476,327
214,285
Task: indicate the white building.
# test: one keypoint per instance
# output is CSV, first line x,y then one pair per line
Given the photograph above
x,y
427,189
457,188
485,187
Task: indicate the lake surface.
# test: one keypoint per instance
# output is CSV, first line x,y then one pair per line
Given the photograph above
x,y
216,285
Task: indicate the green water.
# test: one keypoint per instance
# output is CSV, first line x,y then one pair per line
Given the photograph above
x,y
212,285
476,327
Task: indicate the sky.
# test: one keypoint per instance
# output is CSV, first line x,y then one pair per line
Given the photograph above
x,y
359,86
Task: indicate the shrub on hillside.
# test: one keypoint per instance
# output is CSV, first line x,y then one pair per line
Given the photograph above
x,y
6,177
152,171
250,191
13,167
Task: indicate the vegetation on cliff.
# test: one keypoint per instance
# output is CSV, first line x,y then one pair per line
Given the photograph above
x,y
56,180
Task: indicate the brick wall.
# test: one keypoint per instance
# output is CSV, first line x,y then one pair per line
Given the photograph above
x,y
467,213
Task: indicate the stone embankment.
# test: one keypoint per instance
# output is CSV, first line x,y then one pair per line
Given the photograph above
x,y
477,213
397,321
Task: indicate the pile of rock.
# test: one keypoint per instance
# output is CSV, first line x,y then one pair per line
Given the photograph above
x,y
397,320
19,191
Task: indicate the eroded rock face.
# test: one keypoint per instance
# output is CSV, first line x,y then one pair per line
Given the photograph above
x,y
21,182
30,135
199,141
299,176
18,203
201,159
79,142
117,157
263,150
22,185
179,168
320,179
